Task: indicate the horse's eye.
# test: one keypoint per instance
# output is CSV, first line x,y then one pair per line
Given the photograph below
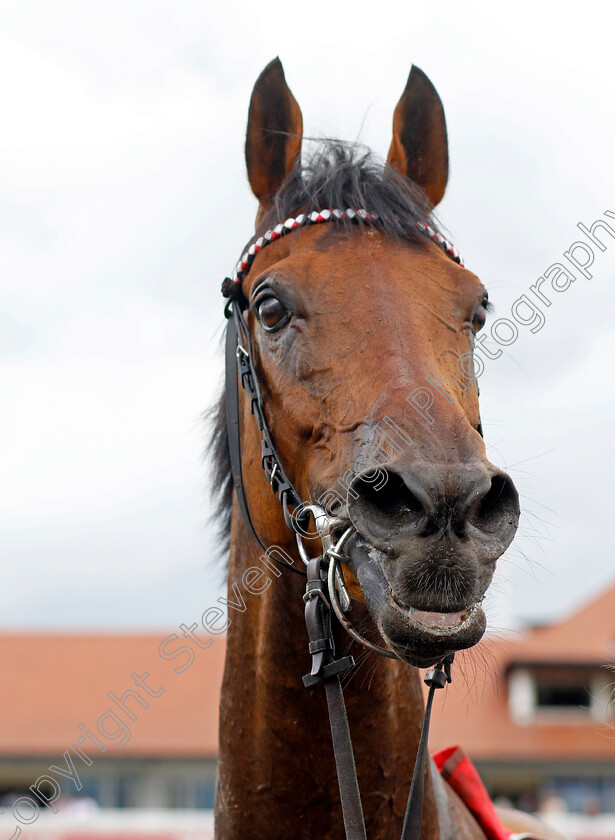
x,y
271,313
480,316
478,322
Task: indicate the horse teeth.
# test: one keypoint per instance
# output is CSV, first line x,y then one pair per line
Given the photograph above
x,y
437,620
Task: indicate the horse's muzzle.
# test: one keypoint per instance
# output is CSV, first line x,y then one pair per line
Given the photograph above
x,y
425,553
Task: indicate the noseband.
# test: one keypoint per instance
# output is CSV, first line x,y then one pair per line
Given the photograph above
x,y
325,588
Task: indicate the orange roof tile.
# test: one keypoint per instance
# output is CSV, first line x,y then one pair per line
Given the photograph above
x,y
55,682
586,636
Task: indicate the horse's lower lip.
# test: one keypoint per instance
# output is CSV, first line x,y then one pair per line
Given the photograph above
x,y
450,621
422,638
438,621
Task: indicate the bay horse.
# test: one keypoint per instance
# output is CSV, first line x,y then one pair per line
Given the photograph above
x,y
356,356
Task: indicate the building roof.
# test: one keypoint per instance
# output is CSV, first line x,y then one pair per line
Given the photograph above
x,y
588,635
55,682
474,712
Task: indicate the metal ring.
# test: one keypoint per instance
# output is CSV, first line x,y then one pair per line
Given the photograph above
x,y
345,600
333,565
302,552
324,534
289,516
339,545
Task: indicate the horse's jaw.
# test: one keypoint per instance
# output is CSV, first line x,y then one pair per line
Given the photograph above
x,y
417,636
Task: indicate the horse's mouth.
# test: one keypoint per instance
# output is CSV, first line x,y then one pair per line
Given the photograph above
x,y
417,636
423,638
444,622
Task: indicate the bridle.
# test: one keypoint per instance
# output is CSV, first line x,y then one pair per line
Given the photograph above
x,y
239,364
325,591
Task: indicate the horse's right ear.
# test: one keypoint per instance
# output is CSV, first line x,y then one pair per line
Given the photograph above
x,y
273,138
419,148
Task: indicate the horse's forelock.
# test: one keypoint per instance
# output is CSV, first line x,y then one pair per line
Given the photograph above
x,y
338,174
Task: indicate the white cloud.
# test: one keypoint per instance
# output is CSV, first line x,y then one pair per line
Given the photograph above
x,y
123,203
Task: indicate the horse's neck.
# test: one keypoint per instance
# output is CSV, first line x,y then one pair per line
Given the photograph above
x,y
276,773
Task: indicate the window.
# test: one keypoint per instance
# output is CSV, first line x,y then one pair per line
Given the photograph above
x,y
560,695
544,694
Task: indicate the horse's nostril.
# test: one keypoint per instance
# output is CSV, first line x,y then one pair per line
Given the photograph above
x,y
423,503
386,510
393,500
499,501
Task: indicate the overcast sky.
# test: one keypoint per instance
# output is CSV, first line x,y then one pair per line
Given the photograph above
x,y
124,202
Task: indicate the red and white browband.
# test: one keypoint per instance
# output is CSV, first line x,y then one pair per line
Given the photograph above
x,y
315,218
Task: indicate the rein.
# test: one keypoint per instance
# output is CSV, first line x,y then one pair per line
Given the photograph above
x,y
326,591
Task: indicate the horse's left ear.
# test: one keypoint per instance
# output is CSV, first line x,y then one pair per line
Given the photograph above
x,y
275,129
419,148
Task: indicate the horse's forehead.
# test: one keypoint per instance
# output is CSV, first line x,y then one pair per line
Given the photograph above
x,y
328,260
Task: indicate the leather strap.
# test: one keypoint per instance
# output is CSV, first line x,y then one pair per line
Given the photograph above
x,y
350,796
238,362
232,423
326,669
436,677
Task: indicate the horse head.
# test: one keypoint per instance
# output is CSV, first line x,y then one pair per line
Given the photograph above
x,y
362,332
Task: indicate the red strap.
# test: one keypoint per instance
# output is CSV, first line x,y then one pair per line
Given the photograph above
x,y
462,776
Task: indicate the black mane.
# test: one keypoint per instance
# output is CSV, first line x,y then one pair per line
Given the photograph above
x,y
337,175
346,175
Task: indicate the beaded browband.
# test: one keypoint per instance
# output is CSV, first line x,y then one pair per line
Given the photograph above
x,y
315,218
